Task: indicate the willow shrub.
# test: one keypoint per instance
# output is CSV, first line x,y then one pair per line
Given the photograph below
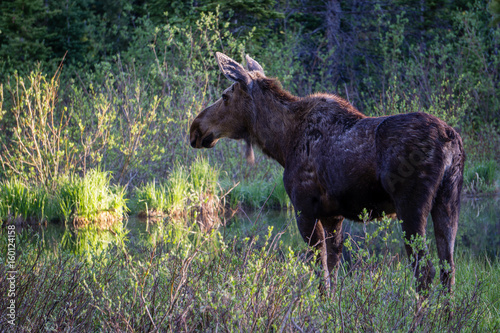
x,y
131,115
189,280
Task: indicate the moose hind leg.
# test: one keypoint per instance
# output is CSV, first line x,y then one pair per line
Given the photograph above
x,y
445,212
413,205
414,223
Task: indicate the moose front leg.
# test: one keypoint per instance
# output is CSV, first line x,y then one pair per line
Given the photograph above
x,y
326,237
334,244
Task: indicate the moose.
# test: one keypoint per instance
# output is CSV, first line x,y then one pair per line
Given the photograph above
x,y
338,161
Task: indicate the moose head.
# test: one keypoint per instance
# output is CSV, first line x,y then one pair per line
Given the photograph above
x,y
233,115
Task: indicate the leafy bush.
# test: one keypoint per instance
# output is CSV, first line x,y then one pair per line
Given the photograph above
x,y
190,281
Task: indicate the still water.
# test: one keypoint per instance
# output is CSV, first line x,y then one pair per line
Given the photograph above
x,y
478,232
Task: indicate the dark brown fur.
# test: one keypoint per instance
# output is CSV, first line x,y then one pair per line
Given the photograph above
x,y
338,161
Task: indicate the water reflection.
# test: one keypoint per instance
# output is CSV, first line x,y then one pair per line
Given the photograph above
x,y
479,226
478,233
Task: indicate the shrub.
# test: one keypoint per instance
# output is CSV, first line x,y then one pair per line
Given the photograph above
x,y
193,281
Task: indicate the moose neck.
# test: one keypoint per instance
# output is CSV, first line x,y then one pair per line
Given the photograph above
x,y
273,122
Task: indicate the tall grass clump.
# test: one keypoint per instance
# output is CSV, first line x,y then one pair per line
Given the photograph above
x,y
178,191
90,199
150,200
204,177
21,202
205,194
480,177
254,193
189,193
74,199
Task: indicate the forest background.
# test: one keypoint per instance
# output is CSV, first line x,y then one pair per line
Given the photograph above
x,y
133,74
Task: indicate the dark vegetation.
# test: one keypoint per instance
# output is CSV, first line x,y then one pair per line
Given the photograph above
x,y
181,280
96,99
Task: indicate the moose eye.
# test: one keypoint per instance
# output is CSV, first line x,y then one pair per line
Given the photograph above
x,y
225,97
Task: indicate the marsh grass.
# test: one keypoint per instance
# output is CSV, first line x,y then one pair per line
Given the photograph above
x,y
188,280
254,193
481,177
189,193
74,200
90,200
150,200
22,203
482,270
178,190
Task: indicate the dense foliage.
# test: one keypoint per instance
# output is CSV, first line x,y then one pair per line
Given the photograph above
x,y
177,279
135,73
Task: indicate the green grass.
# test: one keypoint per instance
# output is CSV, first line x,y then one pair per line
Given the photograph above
x,y
481,177
254,193
150,199
73,197
484,271
21,202
186,191
87,197
203,177
91,198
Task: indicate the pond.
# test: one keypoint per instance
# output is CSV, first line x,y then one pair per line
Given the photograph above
x,y
478,233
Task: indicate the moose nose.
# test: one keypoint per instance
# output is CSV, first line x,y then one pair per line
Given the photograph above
x,y
194,139
195,134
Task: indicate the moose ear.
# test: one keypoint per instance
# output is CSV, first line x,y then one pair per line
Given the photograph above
x,y
232,70
254,65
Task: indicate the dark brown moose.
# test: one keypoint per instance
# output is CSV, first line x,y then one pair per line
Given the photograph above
x,y
338,161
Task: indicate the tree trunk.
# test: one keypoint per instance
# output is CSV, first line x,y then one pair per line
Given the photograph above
x,y
333,13
333,39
